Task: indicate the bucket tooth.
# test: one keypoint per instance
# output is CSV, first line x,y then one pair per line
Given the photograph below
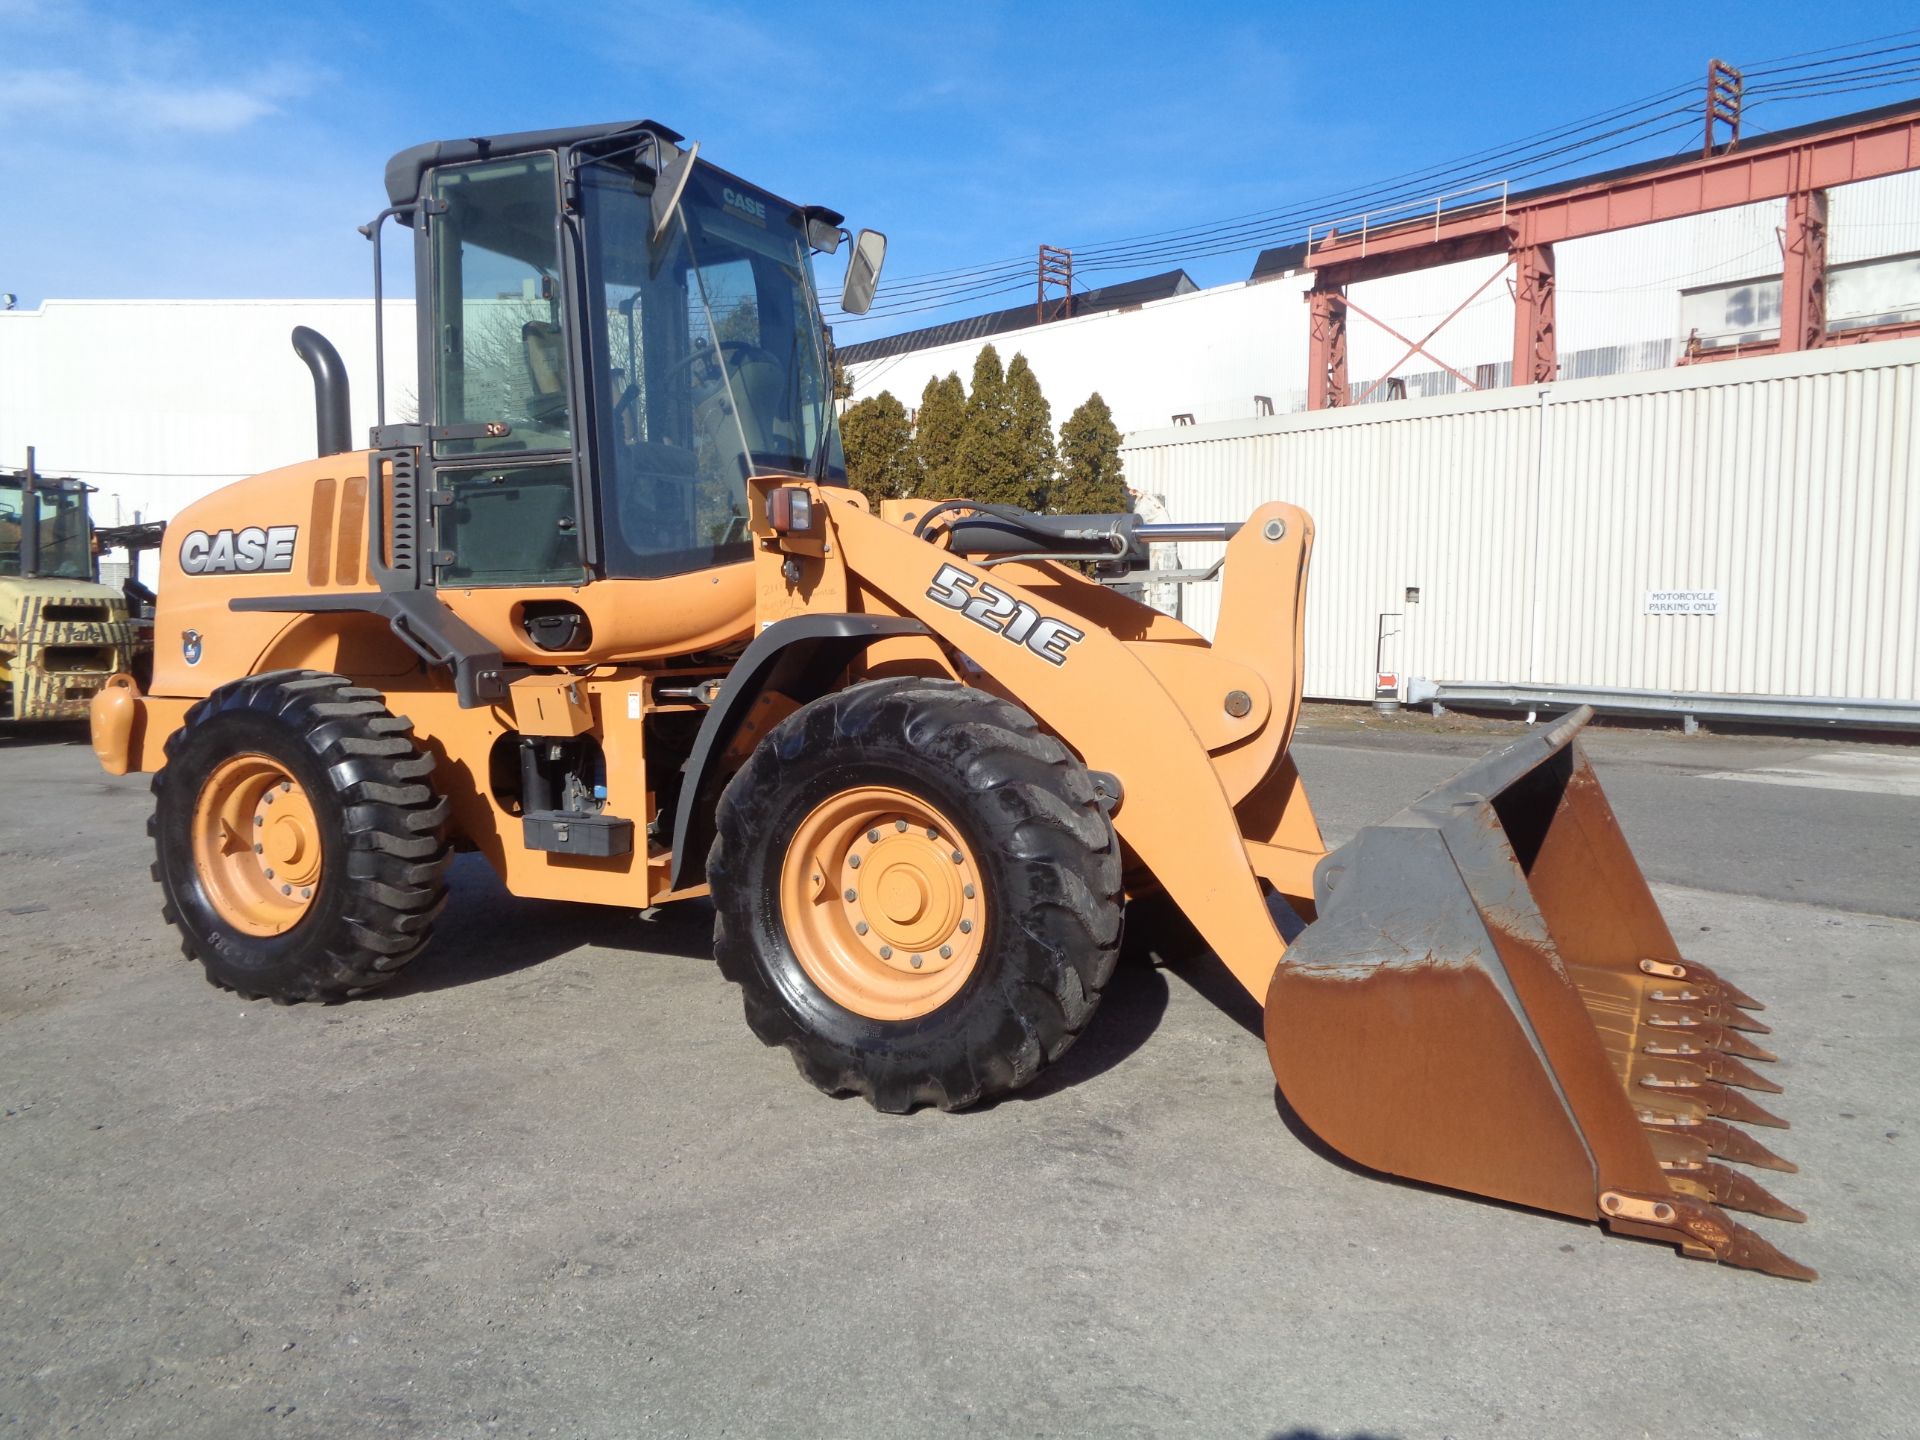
x,y
1690,1041
1665,1064
1710,1137
1730,1104
1729,1188
1748,1251
1702,1001
1732,1042
1690,1079
1730,1071
1699,1227
1732,992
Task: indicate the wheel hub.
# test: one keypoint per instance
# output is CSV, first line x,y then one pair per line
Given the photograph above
x,y
257,845
883,902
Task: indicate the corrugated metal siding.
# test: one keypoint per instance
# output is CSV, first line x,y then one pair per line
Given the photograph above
x,y
1534,521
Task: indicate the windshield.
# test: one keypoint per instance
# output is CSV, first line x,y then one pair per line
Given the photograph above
x,y
66,551
710,361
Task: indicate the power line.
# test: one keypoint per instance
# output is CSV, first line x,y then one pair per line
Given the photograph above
x,y
1530,158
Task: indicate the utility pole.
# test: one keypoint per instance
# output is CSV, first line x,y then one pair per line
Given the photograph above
x,y
1055,268
1724,86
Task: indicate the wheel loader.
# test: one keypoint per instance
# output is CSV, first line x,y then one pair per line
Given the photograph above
x,y
607,614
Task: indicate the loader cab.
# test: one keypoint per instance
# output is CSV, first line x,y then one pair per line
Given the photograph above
x,y
644,370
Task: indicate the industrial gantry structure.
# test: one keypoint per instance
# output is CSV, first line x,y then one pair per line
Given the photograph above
x,y
1798,166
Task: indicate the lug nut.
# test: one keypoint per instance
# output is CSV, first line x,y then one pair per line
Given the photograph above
x,y
853,861
916,962
946,952
968,892
901,826
259,849
286,889
861,928
886,952
306,892
852,895
259,819
873,837
269,872
932,834
966,927
956,857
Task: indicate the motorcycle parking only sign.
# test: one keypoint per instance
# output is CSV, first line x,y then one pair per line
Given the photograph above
x,y
1682,602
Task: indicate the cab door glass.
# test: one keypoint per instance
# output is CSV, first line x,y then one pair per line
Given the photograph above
x,y
499,353
509,526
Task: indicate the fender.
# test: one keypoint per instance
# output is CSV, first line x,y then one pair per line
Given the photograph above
x,y
800,656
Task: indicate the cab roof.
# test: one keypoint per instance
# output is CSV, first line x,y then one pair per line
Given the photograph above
x,y
406,170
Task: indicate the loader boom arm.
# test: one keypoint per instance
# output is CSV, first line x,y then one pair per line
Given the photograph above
x,y
1103,696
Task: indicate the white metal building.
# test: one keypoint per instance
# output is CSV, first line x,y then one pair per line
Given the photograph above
x,y
158,402
1627,300
1749,528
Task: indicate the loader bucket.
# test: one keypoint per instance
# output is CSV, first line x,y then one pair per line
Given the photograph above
x,y
1491,1001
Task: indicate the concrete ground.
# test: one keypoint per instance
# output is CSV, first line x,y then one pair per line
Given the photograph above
x,y
551,1185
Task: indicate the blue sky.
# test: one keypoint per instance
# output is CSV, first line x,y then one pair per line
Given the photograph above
x,y
211,148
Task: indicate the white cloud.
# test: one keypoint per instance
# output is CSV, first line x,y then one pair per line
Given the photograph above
x,y
74,100
75,72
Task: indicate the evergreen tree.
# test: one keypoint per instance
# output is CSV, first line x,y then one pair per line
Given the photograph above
x,y
1032,424
936,439
881,463
990,467
1091,479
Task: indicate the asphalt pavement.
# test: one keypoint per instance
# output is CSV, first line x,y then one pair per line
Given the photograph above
x,y
551,1185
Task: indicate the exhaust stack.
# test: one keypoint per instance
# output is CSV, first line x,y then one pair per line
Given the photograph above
x,y
331,424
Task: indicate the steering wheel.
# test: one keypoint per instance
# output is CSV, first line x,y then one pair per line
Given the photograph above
x,y
686,362
747,347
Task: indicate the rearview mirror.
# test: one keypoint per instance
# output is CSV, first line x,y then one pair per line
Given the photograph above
x,y
669,185
863,272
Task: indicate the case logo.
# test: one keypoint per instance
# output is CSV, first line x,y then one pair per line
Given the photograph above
x,y
236,552
992,608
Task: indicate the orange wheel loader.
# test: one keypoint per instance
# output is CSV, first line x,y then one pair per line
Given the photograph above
x,y
606,613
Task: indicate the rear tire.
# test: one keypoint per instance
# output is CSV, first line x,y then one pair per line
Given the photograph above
x,y
358,836
973,774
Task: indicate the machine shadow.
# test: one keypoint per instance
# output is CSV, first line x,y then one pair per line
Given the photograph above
x,y
486,933
1131,1010
1159,932
43,734
1307,1432
1306,1135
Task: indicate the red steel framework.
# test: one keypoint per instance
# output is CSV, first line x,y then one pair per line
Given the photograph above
x,y
1522,232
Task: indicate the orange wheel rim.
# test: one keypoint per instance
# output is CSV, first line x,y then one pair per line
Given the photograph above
x,y
256,845
884,903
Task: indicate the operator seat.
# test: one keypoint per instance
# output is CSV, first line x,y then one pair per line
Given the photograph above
x,y
546,371
760,389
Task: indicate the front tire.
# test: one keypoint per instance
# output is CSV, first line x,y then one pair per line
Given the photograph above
x,y
918,893
297,838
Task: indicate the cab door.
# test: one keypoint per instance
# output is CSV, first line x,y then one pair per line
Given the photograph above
x,y
510,510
